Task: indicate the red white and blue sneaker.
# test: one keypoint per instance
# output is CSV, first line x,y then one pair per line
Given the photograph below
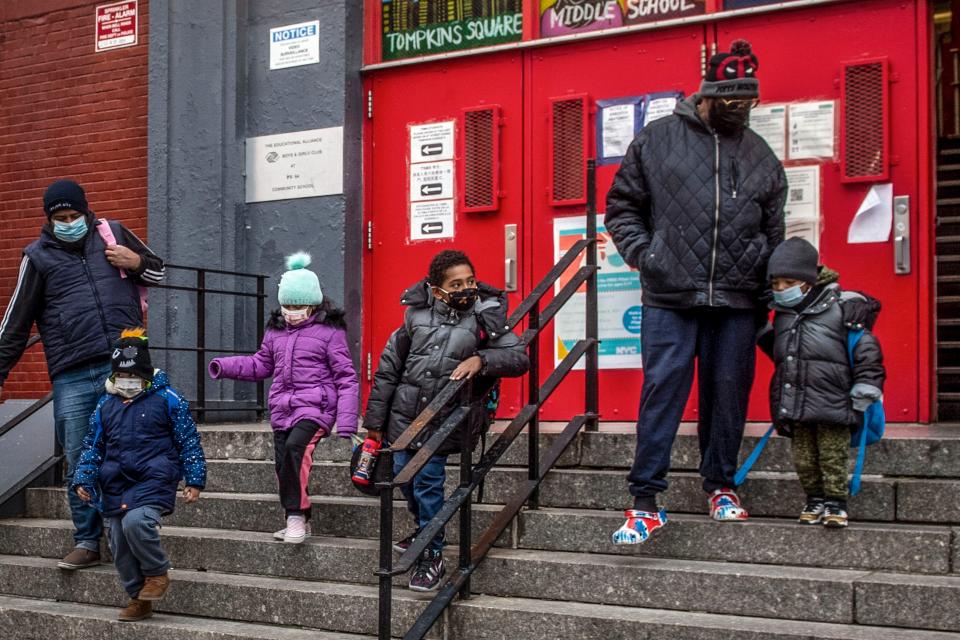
x,y
725,506
639,526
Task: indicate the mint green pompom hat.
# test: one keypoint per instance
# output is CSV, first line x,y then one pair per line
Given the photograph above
x,y
299,285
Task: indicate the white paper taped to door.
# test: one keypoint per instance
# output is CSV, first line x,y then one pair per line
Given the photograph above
x,y
874,217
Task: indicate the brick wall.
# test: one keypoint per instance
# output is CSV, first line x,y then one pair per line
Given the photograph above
x,y
65,111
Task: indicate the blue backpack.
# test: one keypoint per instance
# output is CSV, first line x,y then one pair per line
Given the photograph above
x,y
869,432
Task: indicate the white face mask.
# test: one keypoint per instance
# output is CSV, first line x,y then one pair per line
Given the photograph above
x,y
128,387
293,318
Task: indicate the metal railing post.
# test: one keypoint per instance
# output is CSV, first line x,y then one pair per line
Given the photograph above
x,y
956,91
386,549
592,386
201,344
533,398
261,299
466,510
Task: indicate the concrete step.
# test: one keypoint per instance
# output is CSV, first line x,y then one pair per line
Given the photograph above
x,y
715,587
490,618
882,547
328,606
906,450
31,619
768,493
332,516
338,607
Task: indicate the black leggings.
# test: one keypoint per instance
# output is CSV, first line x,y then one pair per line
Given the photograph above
x,y
293,456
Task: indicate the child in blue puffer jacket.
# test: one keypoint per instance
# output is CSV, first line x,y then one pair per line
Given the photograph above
x,y
141,442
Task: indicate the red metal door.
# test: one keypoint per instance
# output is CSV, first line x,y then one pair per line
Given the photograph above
x,y
560,138
479,99
841,48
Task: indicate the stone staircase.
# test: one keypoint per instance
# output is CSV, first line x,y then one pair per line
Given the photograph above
x,y
894,573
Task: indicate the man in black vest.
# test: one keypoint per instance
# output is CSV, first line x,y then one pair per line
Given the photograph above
x,y
697,207
80,285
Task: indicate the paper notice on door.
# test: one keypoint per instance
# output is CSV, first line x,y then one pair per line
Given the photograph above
x,y
659,107
812,130
874,217
770,123
431,142
431,220
803,193
618,124
431,181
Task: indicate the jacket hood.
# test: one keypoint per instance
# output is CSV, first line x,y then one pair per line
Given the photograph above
x,y
331,316
418,295
687,110
160,381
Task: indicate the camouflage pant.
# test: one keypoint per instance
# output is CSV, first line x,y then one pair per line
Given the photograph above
x,y
821,455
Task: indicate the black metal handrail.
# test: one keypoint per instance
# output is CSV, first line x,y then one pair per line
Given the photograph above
x,y
199,406
472,476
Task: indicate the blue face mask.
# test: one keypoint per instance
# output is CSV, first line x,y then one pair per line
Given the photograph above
x,y
70,231
789,297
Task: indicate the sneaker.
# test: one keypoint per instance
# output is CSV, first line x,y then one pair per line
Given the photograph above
x,y
428,572
640,525
834,514
725,506
813,512
136,610
402,545
79,559
280,535
296,531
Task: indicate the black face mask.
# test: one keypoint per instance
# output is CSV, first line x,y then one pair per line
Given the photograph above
x,y
461,300
729,119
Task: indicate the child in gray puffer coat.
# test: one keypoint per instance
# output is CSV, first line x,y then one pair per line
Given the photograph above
x,y
454,328
816,396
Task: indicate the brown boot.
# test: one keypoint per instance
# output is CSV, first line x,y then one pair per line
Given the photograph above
x,y
154,587
135,610
79,559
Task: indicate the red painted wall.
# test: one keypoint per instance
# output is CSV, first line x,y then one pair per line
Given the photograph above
x,y
65,112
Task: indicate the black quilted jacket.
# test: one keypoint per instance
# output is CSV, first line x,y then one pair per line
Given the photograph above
x,y
813,376
420,356
697,213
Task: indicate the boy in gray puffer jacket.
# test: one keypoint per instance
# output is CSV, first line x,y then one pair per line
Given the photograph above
x,y
816,397
454,328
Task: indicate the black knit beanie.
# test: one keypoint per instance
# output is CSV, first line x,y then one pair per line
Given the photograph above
x,y
732,75
131,354
64,194
794,258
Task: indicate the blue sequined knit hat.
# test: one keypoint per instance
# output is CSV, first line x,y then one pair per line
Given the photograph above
x,y
299,285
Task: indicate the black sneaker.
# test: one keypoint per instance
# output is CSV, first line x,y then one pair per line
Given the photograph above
x,y
813,512
834,514
404,544
428,572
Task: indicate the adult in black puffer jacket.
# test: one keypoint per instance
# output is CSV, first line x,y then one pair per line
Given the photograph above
x,y
697,208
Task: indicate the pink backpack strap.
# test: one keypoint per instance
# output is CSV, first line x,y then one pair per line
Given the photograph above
x,y
106,233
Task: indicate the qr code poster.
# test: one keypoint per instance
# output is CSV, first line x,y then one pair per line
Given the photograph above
x,y
803,193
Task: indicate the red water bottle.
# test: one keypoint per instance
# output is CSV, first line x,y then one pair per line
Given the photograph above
x,y
368,457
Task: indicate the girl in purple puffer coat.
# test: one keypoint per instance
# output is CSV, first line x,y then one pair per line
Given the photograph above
x,y
315,387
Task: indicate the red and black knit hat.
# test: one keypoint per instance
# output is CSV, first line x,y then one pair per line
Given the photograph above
x,y
733,74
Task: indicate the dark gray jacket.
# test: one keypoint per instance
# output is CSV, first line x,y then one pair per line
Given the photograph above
x,y
697,213
813,380
420,356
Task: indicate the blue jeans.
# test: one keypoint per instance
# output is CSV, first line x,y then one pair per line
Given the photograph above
x,y
425,493
135,544
75,395
723,344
